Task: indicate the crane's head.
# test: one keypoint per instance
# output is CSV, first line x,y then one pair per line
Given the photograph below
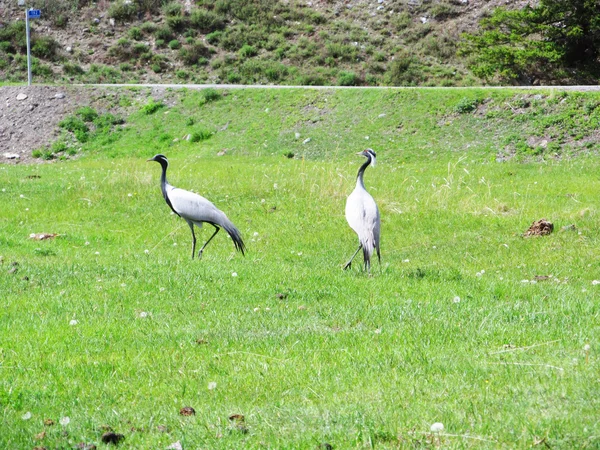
x,y
369,154
161,159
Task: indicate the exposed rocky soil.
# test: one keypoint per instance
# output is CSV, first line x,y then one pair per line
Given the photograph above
x,y
29,115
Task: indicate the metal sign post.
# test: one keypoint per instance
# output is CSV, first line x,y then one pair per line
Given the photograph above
x,y
28,48
30,14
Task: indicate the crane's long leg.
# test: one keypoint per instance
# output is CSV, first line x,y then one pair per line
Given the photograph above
x,y
349,263
217,229
193,239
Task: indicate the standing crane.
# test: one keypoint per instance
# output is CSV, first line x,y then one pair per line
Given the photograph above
x,y
196,210
362,215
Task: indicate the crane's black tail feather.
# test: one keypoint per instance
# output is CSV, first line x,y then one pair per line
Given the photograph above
x,y
236,237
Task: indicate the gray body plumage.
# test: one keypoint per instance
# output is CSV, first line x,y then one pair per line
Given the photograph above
x,y
196,210
362,215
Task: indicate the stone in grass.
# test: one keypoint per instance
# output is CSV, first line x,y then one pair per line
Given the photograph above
x,y
539,228
84,446
238,422
111,437
187,411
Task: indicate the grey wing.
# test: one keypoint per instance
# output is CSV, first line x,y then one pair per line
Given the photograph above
x,y
195,208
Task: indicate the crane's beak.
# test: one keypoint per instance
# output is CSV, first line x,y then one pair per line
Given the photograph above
x,y
359,153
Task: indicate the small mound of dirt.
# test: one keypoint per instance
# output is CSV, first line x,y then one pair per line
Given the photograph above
x,y
539,228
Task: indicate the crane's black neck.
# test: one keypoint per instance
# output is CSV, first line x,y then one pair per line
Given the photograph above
x,y
163,182
163,177
361,171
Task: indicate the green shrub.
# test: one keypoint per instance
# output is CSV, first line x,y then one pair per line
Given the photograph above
x,y
140,48
404,71
148,27
99,73
233,77
191,54
210,95
200,135
87,113
172,9
348,79
206,21
82,136
44,47
159,43
135,33
177,23
156,68
122,12
466,105
174,44
276,71
73,124
163,33
60,20
341,51
182,74
151,107
14,35
70,68
214,38
442,11
190,121
248,51
107,121
58,146
125,67
380,57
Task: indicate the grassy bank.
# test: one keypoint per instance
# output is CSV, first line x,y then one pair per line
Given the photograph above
x,y
466,322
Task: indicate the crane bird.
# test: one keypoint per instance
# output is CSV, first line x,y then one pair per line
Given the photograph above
x,y
195,210
362,215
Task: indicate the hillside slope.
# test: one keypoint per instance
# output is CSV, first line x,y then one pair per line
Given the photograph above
x,y
359,42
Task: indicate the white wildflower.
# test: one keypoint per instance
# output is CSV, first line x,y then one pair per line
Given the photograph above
x,y
437,427
586,348
64,421
456,299
73,322
212,386
234,274
26,416
175,446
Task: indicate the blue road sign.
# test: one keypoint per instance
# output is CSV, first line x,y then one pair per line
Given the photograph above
x,y
34,13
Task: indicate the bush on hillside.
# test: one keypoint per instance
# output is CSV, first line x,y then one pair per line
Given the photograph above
x,y
122,12
206,21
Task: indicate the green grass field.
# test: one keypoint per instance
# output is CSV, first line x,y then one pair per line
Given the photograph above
x,y
467,323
